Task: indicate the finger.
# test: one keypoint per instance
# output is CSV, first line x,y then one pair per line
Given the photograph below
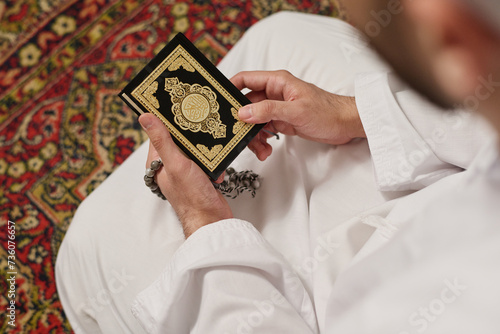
x,y
271,82
271,130
152,155
160,139
260,147
266,148
254,144
276,86
263,149
220,178
266,111
256,96
266,153
253,80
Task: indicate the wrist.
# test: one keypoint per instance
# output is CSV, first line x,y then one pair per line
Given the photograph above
x,y
194,222
356,126
352,121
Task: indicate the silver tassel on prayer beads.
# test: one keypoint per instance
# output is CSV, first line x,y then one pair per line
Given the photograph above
x,y
237,182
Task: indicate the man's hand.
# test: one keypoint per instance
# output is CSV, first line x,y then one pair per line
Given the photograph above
x,y
295,107
187,188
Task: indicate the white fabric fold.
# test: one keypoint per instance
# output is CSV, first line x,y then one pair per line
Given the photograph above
x,y
412,142
225,254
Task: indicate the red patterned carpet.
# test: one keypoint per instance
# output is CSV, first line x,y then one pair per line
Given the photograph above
x,y
63,129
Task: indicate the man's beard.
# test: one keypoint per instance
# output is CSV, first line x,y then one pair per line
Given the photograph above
x,y
425,84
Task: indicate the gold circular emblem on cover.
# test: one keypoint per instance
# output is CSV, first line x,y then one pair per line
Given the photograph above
x,y
195,107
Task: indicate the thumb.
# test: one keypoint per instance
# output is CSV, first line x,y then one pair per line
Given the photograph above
x,y
159,136
265,111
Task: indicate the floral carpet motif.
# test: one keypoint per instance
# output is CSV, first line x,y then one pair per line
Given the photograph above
x,y
63,129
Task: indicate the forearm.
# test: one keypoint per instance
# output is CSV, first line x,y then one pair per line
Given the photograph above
x,y
349,117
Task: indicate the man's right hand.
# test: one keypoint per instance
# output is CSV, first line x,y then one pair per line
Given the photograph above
x,y
295,107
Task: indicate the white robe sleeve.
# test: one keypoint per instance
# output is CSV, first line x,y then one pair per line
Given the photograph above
x,y
226,279
414,143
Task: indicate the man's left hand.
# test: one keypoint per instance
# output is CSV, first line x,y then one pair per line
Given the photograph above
x,y
187,188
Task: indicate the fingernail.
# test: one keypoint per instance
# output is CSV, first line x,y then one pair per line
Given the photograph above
x,y
245,113
145,121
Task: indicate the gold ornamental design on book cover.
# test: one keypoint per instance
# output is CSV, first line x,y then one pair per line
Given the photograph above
x,y
195,108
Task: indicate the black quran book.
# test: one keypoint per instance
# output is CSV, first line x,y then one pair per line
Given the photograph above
x,y
197,104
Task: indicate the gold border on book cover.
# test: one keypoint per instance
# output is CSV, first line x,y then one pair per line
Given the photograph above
x,y
195,109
